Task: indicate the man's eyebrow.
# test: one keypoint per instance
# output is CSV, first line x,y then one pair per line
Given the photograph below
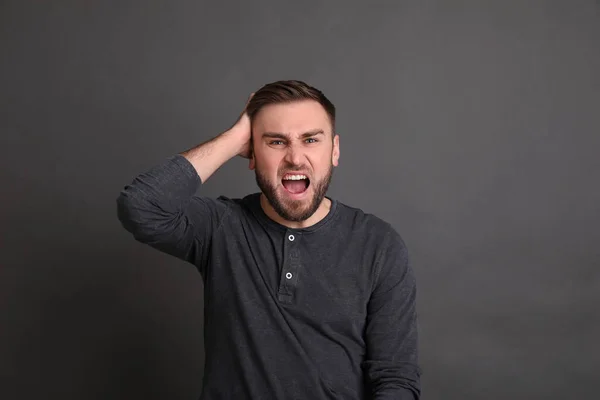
x,y
279,135
275,135
313,133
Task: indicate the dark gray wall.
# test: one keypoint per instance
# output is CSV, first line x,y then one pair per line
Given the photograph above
x,y
472,126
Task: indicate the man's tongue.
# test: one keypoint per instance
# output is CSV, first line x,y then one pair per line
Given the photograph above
x,y
295,186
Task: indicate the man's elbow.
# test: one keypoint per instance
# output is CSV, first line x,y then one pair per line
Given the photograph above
x,y
138,218
397,382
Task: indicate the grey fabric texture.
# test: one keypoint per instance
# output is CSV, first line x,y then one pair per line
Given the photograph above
x,y
324,312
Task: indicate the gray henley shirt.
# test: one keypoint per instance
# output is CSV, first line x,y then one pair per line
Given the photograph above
x,y
325,312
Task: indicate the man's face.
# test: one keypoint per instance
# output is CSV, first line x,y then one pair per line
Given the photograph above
x,y
294,156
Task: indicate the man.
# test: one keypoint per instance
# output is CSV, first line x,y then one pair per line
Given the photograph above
x,y
305,297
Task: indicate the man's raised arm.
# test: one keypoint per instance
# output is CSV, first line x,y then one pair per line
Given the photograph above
x,y
159,207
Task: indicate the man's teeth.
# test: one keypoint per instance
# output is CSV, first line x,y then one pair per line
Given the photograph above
x,y
295,177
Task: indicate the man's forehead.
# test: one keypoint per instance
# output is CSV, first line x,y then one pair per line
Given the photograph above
x,y
289,127
292,117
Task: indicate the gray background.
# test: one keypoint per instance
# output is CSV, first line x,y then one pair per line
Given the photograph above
x,y
473,127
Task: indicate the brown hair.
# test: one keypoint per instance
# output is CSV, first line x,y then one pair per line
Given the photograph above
x,y
288,92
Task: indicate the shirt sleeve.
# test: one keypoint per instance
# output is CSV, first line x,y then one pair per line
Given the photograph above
x,y
391,364
160,208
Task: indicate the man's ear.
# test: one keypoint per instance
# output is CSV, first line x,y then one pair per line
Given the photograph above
x,y
335,154
252,162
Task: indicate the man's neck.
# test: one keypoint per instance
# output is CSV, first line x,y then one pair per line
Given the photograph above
x,y
321,213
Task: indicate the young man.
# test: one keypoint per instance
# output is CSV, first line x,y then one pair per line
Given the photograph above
x,y
305,297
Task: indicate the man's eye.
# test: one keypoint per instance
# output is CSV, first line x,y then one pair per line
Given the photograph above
x,y
312,140
276,142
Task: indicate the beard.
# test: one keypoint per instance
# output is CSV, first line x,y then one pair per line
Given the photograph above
x,y
294,210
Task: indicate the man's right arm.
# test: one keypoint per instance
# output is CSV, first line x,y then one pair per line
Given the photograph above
x,y
159,206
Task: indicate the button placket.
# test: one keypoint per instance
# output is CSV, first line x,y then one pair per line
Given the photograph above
x,y
288,280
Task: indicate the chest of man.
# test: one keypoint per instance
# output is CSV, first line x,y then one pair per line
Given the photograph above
x,y
319,277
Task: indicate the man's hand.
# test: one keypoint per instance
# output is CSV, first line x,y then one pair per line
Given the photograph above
x,y
209,156
243,131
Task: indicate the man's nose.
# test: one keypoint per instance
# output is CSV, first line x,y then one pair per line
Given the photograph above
x,y
293,156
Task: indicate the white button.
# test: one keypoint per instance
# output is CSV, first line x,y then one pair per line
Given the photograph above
x,y
288,275
291,237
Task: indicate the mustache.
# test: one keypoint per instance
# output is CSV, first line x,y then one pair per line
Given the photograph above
x,y
292,168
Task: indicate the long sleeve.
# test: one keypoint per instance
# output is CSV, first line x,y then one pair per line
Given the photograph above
x,y
159,208
391,363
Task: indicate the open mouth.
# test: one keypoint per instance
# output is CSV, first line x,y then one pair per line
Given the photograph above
x,y
295,184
